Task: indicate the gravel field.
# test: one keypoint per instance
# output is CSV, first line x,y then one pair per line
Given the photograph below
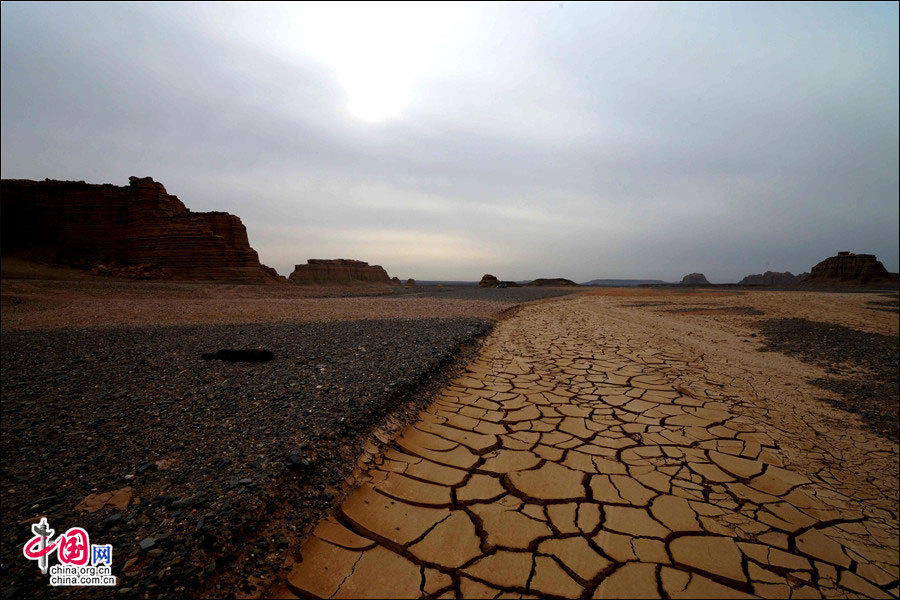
x,y
891,305
865,365
31,304
514,295
851,308
207,447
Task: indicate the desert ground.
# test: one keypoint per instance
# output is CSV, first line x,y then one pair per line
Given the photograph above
x,y
456,442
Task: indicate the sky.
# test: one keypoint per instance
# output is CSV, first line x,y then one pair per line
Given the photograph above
x,y
445,141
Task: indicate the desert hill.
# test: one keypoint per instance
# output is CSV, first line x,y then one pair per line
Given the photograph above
x,y
554,282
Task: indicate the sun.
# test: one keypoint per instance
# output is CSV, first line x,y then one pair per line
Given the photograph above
x,y
377,50
376,97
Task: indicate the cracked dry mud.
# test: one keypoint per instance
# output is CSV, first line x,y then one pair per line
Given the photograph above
x,y
583,455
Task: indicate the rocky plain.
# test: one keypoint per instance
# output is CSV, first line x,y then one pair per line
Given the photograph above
x,y
211,477
338,434
119,415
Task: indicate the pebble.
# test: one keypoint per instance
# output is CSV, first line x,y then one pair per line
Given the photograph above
x,y
112,520
147,543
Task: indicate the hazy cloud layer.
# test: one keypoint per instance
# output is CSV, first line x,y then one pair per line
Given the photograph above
x,y
582,141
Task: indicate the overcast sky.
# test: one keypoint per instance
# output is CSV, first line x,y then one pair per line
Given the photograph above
x,y
449,141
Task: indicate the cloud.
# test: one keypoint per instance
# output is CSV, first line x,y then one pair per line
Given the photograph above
x,y
582,141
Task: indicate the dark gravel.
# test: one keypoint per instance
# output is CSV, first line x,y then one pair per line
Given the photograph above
x,y
741,310
866,365
520,294
701,308
93,410
892,305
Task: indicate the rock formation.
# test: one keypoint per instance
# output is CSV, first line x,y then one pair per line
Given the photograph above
x,y
130,271
557,282
622,282
694,279
122,230
410,282
773,278
489,281
340,271
850,269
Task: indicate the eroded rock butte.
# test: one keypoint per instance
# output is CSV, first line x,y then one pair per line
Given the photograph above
x,y
340,271
773,278
135,231
694,279
850,268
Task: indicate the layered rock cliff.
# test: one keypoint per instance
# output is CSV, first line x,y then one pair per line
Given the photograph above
x,y
340,271
81,224
694,279
850,269
773,278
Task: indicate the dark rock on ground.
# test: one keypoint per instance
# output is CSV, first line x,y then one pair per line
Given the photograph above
x,y
892,305
866,365
247,355
739,310
503,293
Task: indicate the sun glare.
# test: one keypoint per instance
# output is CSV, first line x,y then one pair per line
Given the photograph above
x,y
377,50
376,96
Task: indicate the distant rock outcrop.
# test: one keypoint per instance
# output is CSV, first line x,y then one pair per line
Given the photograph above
x,y
340,271
138,230
622,282
490,281
850,269
410,282
694,279
556,282
773,278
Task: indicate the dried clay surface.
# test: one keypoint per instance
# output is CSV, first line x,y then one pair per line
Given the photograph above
x,y
596,450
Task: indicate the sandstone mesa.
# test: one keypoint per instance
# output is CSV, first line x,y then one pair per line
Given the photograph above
x,y
849,268
488,281
694,279
341,271
773,278
137,230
